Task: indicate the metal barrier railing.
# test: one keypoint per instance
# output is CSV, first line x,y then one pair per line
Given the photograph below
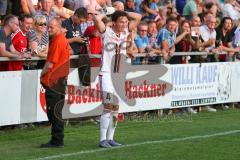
x,y
135,55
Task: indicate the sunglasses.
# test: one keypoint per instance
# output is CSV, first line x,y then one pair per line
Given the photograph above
x,y
42,24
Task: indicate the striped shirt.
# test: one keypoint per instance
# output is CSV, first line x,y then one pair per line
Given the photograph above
x,y
165,35
32,35
49,16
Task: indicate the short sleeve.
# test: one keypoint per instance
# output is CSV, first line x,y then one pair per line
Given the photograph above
x,y
54,50
32,36
138,41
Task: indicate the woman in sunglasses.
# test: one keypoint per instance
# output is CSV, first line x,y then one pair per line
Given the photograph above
x,y
39,39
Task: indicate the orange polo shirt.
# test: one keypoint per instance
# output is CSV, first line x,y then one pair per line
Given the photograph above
x,y
58,54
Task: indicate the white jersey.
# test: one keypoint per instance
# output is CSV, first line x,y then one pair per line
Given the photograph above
x,y
113,44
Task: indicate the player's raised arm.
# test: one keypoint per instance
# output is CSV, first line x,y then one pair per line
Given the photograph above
x,y
99,23
135,19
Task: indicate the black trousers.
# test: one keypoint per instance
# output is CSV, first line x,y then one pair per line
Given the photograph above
x,y
55,102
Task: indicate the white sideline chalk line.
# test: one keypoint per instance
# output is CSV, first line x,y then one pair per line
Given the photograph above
x,y
139,144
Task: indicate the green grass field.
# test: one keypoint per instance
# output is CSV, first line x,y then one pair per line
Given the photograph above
x,y
206,136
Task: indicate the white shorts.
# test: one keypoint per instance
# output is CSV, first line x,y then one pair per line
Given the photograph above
x,y
108,93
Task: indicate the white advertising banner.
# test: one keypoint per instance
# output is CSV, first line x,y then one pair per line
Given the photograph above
x,y
194,84
41,101
208,83
86,101
179,86
10,97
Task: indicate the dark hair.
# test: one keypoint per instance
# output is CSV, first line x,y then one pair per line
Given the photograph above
x,y
171,19
145,2
81,12
23,16
151,22
209,5
180,31
223,21
118,14
7,19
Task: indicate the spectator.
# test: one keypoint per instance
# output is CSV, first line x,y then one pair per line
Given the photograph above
x,y
167,37
224,38
89,22
180,5
195,25
58,8
195,21
161,18
123,1
38,37
118,5
39,40
95,45
205,17
77,41
3,8
20,40
46,10
95,41
149,9
81,3
236,38
190,9
183,43
138,5
72,25
70,4
230,11
211,8
130,6
10,25
208,35
96,4
141,41
152,36
24,5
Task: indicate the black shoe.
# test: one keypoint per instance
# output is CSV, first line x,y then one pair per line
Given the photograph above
x,y
51,145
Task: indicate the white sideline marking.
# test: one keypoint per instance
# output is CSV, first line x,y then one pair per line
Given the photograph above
x,y
139,144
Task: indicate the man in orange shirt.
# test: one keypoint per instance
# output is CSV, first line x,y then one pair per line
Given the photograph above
x,y
54,80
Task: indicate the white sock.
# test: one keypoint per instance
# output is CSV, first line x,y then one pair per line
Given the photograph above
x,y
104,123
112,126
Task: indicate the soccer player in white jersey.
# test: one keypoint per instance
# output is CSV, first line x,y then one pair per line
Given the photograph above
x,y
113,40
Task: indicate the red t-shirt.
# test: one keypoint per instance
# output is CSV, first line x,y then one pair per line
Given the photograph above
x,y
95,45
19,41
